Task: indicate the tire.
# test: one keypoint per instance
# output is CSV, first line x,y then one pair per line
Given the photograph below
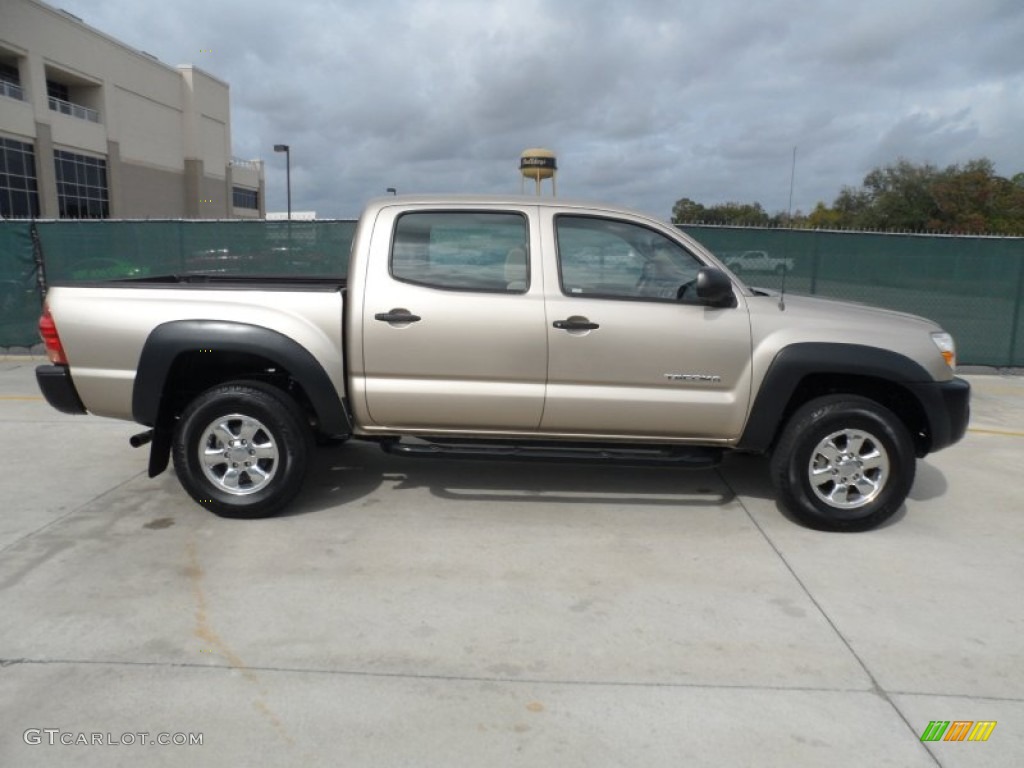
x,y
843,463
235,423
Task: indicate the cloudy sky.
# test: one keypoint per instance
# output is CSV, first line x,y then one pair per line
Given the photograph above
x,y
644,101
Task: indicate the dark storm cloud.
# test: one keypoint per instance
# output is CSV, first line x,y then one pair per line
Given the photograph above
x,y
644,101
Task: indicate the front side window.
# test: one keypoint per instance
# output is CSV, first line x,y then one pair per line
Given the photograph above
x,y
462,251
81,186
617,259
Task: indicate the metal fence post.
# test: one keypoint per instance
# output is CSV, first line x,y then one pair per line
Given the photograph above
x,y
40,262
814,262
1015,323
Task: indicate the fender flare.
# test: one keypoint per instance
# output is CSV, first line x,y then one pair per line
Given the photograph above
x,y
169,340
797,361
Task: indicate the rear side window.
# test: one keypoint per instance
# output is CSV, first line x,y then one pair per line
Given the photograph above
x,y
462,251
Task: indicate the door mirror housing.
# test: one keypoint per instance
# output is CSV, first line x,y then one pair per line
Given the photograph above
x,y
714,288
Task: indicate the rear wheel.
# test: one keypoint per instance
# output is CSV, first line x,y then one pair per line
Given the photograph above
x,y
241,449
843,463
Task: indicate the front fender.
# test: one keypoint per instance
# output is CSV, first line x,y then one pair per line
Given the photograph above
x,y
798,361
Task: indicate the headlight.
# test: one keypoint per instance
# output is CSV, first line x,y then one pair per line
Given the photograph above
x,y
947,347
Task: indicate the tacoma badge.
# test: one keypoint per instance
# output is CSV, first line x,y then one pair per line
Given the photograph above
x,y
707,378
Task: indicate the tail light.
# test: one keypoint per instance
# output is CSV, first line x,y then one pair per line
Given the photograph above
x,y
48,330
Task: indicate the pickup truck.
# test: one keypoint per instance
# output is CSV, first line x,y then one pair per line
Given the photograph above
x,y
756,261
514,328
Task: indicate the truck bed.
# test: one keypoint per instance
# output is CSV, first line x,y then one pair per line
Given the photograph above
x,y
104,327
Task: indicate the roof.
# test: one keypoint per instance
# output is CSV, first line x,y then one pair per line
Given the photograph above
x,y
511,199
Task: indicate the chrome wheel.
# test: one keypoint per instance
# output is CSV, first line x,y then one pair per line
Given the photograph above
x,y
238,454
848,469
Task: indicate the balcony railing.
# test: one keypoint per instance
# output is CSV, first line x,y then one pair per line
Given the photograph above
x,y
253,165
75,110
12,90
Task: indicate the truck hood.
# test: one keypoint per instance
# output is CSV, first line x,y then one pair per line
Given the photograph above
x,y
812,320
829,311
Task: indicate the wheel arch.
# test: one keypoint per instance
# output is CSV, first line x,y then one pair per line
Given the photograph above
x,y
182,358
803,372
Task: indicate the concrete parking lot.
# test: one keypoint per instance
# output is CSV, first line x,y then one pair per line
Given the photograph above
x,y
427,613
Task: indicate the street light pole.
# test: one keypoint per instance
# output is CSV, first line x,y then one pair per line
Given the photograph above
x,y
288,172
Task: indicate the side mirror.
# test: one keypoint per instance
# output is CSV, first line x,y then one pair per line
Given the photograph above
x,y
714,288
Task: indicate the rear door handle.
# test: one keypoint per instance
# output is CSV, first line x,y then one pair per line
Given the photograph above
x,y
575,324
397,316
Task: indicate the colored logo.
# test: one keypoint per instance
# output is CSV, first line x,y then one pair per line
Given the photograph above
x,y
958,730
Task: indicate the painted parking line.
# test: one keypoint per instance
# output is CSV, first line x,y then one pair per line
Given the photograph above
x,y
20,397
1000,432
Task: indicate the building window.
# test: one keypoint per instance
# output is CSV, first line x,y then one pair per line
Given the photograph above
x,y
10,82
57,90
245,198
19,195
81,186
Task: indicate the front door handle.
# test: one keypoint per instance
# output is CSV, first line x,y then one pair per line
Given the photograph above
x,y
397,316
575,324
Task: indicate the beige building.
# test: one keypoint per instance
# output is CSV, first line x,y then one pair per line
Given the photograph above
x,y
92,128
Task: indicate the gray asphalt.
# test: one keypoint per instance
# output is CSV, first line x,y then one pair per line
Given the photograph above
x,y
427,613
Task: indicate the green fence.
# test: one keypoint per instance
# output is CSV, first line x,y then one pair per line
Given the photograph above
x,y
19,293
85,250
972,286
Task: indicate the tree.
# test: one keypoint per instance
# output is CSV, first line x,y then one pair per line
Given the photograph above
x,y
823,217
902,196
966,199
686,210
744,214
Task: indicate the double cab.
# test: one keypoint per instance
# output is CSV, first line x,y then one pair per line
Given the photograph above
x,y
508,327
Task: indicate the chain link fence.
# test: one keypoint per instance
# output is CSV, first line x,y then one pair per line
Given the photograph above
x,y
972,286
86,250
19,293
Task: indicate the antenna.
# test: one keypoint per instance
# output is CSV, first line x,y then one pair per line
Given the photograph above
x,y
789,222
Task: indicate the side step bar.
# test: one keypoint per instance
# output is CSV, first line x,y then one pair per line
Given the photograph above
x,y
688,457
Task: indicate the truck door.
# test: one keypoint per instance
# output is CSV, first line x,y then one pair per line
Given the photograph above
x,y
625,356
453,322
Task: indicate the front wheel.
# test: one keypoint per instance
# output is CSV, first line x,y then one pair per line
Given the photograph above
x,y
843,463
241,449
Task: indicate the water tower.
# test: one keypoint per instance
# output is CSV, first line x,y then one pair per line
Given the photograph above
x,y
538,164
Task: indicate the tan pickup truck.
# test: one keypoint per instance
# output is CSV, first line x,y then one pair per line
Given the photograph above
x,y
509,328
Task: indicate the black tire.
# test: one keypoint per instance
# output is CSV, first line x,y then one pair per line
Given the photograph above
x,y
861,456
267,429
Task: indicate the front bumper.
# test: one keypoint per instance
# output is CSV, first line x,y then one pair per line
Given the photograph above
x,y
59,390
947,406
